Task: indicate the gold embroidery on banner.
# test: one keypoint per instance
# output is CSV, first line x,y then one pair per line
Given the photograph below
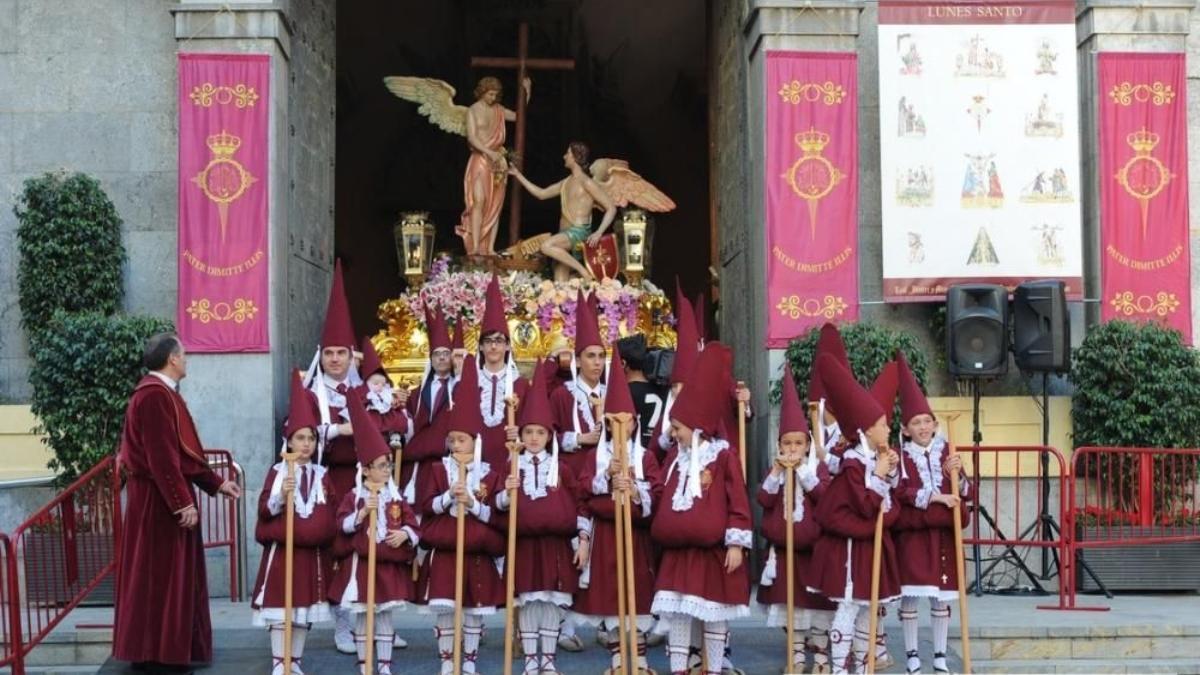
x,y
239,95
240,310
793,307
812,177
1157,93
1162,304
826,92
1143,176
223,180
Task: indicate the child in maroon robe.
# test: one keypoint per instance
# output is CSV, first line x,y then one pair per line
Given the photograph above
x,y
804,465
312,564
550,514
574,404
596,602
499,378
441,494
925,532
703,524
848,510
385,405
396,535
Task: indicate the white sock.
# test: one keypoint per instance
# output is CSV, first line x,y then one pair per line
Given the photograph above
x,y
343,621
443,630
881,650
549,619
299,634
818,635
716,633
385,637
862,634
841,633
472,632
908,620
527,628
276,632
939,613
360,640
679,641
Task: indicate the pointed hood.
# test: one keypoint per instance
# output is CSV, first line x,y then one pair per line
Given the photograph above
x,y
829,342
791,411
435,326
465,415
535,407
912,399
459,341
338,330
494,319
617,396
687,343
368,440
705,398
884,389
700,310
302,409
370,360
587,330
858,409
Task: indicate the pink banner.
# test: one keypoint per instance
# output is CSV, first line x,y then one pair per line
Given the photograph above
x,y
812,191
1146,267
223,272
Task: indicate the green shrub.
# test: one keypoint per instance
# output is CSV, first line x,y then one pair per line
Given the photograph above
x,y
87,366
69,240
1138,385
869,347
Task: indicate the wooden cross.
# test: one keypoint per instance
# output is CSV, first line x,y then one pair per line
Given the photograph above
x,y
522,64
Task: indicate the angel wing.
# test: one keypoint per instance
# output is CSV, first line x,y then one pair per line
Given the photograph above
x,y
436,99
625,186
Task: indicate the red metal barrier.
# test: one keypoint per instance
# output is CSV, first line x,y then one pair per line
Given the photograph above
x,y
58,556
1133,497
219,517
1012,485
10,617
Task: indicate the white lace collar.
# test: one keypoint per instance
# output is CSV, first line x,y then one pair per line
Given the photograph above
x,y
506,382
316,491
690,466
535,476
476,471
583,401
387,495
928,461
381,401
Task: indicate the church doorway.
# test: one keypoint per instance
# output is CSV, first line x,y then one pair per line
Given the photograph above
x,y
638,90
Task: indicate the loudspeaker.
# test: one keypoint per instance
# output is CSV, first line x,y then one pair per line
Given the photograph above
x,y
977,330
1041,327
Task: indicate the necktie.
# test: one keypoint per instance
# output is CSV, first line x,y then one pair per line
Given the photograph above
x,y
304,483
536,462
443,392
495,380
341,388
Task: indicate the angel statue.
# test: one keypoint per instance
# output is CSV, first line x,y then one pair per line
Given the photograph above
x,y
610,184
483,126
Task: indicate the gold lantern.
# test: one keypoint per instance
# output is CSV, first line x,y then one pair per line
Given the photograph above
x,y
414,245
636,232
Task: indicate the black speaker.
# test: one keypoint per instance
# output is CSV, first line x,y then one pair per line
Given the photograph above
x,y
1041,327
977,330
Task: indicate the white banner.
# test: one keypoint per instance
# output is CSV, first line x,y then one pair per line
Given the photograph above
x,y
979,135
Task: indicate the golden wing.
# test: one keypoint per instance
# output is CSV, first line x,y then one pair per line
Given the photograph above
x,y
625,186
436,100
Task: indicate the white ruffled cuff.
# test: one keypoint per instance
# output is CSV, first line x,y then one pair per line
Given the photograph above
x,y
413,538
442,502
923,497
772,483
643,490
883,489
569,441
833,462
275,504
584,525
502,500
348,523
481,511
808,478
964,486
600,484
330,431
737,537
664,440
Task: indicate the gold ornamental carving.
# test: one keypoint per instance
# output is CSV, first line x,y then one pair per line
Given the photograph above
x,y
828,93
792,307
1130,303
239,95
223,180
1143,176
1127,93
239,310
812,177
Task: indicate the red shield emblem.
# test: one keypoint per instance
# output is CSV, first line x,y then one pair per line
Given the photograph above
x,y
601,260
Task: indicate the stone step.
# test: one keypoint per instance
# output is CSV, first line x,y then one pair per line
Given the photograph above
x,y
1081,643
1180,666
57,670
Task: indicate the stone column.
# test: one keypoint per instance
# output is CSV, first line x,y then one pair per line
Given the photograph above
x,y
742,35
239,399
1128,26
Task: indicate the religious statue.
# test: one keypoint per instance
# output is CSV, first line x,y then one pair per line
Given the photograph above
x,y
483,125
610,184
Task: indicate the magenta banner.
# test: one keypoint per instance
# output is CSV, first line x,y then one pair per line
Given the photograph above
x,y
812,191
223,141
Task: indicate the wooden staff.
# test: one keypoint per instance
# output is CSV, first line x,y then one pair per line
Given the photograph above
x,y
876,565
814,425
622,422
288,553
959,560
742,430
459,563
789,503
510,562
620,526
371,528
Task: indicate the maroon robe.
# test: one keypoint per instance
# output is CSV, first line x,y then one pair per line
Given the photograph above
x,y
847,511
161,607
338,456
545,527
427,445
924,535
483,588
693,541
563,407
393,566
312,564
805,533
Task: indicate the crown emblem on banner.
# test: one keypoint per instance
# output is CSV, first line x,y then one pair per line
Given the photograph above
x,y
812,142
1142,141
223,144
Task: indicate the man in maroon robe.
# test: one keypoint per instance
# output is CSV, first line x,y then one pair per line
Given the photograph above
x,y
161,615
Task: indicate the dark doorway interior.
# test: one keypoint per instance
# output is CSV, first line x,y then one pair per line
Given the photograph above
x,y
638,92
